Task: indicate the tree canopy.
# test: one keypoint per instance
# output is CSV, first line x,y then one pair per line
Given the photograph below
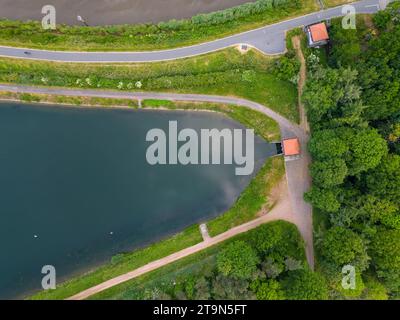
x,y
238,260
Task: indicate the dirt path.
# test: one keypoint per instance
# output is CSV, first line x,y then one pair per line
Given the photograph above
x,y
302,81
281,211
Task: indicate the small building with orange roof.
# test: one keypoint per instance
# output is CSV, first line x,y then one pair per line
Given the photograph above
x,y
291,147
317,34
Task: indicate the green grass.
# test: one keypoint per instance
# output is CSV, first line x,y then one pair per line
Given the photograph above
x,y
226,72
156,103
145,36
335,3
196,265
69,100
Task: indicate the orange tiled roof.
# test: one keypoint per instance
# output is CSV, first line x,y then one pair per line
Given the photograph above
x,y
291,147
319,32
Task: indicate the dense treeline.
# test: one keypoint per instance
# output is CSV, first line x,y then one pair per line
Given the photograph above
x,y
353,104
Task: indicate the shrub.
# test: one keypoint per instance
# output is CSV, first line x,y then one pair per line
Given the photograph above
x,y
238,260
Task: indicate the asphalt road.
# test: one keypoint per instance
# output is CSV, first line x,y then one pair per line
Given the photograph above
x,y
269,40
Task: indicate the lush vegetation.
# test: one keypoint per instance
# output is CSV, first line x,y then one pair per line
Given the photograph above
x,y
69,100
353,104
173,33
227,72
334,3
267,263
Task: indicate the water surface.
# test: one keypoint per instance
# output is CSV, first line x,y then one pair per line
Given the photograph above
x,y
103,12
78,179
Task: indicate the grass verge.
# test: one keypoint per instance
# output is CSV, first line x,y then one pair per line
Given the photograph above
x,y
70,100
335,3
228,72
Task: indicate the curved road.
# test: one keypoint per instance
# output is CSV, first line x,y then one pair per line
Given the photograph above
x,y
269,40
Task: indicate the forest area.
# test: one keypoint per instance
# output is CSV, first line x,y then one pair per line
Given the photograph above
x,y
353,105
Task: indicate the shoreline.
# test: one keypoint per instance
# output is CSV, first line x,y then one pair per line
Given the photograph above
x,y
177,233
87,271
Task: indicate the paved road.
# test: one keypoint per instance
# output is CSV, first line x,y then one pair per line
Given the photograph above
x,y
269,40
297,173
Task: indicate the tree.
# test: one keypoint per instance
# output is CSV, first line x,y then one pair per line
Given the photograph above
x,y
272,268
326,145
346,47
325,199
384,180
227,288
329,173
268,290
385,254
341,246
380,77
305,285
287,68
332,97
292,264
202,289
367,150
238,260
349,293
380,210
374,290
266,239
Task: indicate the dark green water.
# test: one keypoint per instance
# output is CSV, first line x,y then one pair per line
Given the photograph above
x,y
74,176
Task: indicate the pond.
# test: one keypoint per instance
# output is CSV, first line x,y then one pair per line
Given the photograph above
x,y
76,189
103,12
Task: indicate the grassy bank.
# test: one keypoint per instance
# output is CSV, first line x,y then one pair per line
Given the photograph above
x,y
170,34
246,207
335,3
69,100
263,126
183,276
227,72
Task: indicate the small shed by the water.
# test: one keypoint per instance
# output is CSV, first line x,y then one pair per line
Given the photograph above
x,y
317,34
291,147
